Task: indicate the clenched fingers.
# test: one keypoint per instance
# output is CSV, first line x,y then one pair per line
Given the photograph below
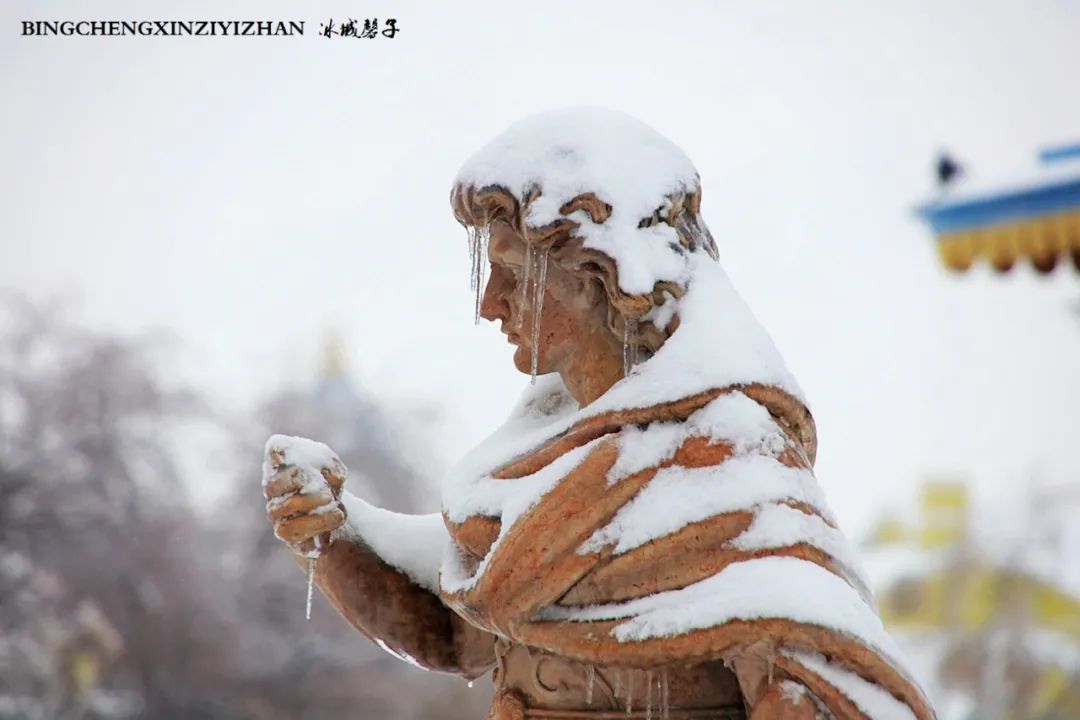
x,y
335,475
305,527
287,480
280,508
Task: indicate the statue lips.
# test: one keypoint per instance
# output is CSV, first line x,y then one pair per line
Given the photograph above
x,y
511,337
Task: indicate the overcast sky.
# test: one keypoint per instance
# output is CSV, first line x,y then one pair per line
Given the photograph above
x,y
249,194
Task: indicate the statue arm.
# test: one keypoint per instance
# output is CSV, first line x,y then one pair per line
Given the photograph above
x,y
381,573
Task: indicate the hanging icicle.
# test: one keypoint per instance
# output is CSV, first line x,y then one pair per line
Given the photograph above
x,y
478,243
590,679
630,692
537,311
665,698
617,683
630,345
471,237
310,585
526,275
648,694
473,241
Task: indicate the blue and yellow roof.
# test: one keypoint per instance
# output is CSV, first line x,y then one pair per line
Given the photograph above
x,y
1035,218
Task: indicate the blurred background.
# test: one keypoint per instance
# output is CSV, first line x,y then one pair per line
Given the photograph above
x,y
209,240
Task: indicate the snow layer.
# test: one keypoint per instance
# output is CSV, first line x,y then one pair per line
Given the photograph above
x,y
640,449
732,417
770,587
778,525
508,500
793,691
678,496
626,163
308,455
874,701
411,543
719,343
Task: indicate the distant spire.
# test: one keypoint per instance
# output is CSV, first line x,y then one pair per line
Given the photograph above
x,y
333,356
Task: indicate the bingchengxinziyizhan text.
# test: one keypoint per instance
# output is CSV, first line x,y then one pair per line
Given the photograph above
x,y
366,28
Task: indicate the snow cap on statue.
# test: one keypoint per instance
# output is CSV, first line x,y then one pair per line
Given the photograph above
x,y
616,184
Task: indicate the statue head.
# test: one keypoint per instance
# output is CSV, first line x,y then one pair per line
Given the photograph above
x,y
587,218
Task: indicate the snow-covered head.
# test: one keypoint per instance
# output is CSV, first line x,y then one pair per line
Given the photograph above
x,y
601,194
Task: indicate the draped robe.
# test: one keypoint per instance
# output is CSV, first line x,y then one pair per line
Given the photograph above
x,y
662,537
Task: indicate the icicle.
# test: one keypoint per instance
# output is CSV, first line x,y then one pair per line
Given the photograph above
x,y
310,585
772,657
648,694
618,682
538,309
630,692
590,678
471,237
478,242
526,274
470,683
665,698
629,345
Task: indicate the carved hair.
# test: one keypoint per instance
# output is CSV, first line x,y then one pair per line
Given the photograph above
x,y
480,207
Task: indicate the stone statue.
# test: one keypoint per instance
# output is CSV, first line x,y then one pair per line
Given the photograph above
x,y
643,537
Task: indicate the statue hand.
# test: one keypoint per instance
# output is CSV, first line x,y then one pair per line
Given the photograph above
x,y
302,483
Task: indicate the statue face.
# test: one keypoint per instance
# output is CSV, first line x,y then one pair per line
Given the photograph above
x,y
573,318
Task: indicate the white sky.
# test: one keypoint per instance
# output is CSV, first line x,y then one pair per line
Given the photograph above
x,y
249,194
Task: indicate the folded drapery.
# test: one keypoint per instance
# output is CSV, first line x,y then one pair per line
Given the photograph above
x,y
680,533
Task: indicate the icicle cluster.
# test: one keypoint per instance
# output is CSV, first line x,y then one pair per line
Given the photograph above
x,y
478,239
478,243
657,698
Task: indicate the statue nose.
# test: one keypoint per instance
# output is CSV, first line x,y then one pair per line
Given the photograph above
x,y
493,305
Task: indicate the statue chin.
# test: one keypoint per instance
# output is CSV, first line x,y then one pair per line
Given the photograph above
x,y
523,360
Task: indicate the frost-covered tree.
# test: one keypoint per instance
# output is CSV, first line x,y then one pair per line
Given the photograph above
x,y
109,607
118,599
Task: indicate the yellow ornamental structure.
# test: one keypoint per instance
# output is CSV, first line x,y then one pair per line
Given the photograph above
x,y
996,633
1034,217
